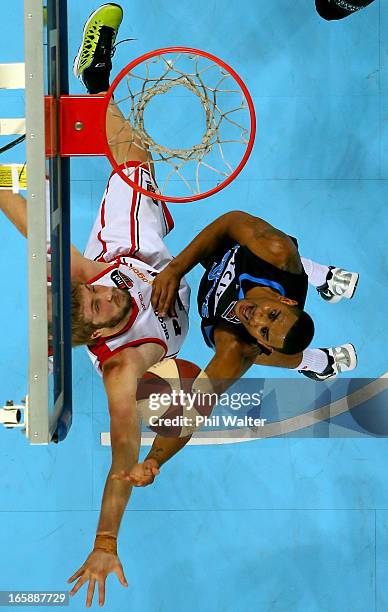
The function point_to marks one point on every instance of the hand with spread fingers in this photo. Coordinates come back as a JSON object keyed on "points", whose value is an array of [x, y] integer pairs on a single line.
{"points": [[141, 475], [96, 568], [165, 290]]}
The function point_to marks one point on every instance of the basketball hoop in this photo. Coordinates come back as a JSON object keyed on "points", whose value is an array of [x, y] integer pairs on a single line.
{"points": [[217, 156]]}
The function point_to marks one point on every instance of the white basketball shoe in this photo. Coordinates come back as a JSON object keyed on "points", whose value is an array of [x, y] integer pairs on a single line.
{"points": [[341, 358], [339, 284]]}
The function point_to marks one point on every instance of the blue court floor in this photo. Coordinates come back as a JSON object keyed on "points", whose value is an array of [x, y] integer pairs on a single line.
{"points": [[285, 524]]}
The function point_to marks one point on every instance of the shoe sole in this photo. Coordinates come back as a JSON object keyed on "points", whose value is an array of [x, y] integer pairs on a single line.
{"points": [[353, 358], [91, 16], [350, 291], [353, 362]]}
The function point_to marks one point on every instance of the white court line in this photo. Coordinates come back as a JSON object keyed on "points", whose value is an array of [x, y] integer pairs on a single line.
{"points": [[279, 428]]}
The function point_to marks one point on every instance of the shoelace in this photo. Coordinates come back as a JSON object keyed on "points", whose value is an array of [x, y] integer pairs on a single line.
{"points": [[119, 43], [114, 47]]}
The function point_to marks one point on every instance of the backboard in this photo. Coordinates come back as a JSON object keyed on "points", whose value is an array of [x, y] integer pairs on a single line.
{"points": [[49, 406]]}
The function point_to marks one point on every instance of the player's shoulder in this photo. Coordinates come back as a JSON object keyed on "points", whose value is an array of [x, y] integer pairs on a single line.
{"points": [[227, 338], [279, 250], [137, 359], [89, 271]]}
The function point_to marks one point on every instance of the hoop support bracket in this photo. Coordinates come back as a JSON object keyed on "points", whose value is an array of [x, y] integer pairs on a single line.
{"points": [[76, 124], [81, 125]]}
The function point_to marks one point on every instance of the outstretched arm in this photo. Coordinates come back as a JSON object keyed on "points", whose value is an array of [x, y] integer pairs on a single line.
{"points": [[162, 450], [120, 379], [260, 237], [231, 360], [14, 206]]}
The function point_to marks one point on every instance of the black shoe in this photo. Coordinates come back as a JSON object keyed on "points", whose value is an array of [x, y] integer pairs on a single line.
{"points": [[338, 9], [93, 62]]}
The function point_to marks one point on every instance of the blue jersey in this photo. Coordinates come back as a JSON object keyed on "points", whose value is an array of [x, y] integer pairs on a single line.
{"points": [[228, 276]]}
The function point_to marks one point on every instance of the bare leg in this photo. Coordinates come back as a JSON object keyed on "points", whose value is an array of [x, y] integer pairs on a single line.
{"points": [[280, 360], [123, 142]]}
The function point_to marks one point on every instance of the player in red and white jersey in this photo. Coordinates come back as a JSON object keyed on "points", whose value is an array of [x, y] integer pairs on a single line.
{"points": [[128, 234], [126, 248], [144, 325], [111, 293]]}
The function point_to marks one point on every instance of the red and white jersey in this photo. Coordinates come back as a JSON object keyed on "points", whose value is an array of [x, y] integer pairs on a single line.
{"points": [[144, 324]]}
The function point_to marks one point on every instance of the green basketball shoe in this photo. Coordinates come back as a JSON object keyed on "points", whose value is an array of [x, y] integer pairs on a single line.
{"points": [[93, 62]]}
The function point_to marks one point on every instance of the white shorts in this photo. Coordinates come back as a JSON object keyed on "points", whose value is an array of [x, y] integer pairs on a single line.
{"points": [[130, 223]]}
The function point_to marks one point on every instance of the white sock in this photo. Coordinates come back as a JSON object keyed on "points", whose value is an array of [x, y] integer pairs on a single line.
{"points": [[316, 272], [313, 359]]}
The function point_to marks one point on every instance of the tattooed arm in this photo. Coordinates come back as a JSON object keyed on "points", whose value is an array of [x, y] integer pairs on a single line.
{"points": [[143, 474], [164, 448]]}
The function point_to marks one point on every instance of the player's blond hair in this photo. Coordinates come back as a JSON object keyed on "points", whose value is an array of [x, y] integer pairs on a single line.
{"points": [[81, 330]]}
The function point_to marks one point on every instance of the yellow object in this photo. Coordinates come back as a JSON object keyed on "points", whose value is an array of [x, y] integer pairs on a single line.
{"points": [[13, 176]]}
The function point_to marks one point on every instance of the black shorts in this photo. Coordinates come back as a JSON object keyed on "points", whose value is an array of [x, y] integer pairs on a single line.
{"points": [[338, 9]]}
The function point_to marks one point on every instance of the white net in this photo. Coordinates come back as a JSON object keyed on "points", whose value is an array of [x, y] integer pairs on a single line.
{"points": [[191, 116]]}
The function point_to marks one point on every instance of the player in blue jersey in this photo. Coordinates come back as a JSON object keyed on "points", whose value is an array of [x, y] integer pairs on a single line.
{"points": [[251, 299]]}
